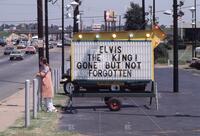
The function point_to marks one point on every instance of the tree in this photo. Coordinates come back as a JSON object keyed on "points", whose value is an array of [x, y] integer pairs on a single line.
{"points": [[133, 17]]}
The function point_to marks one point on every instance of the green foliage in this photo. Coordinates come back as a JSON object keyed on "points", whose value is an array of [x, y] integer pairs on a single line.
{"points": [[4, 34], [133, 17], [181, 43], [161, 53], [162, 60]]}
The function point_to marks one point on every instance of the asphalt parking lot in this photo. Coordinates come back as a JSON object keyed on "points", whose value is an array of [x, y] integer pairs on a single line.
{"points": [[178, 114]]}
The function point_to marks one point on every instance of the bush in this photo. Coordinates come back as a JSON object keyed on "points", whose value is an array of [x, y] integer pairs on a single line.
{"points": [[162, 60], [161, 53]]}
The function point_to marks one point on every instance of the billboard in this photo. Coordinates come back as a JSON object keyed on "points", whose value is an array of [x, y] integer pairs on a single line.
{"points": [[110, 16], [112, 60]]}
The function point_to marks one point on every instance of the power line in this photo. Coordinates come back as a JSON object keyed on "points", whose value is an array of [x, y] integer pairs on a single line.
{"points": [[186, 7], [17, 21], [17, 4], [84, 17]]}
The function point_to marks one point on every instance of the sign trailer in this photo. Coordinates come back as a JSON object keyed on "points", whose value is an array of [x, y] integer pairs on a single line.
{"points": [[112, 65]]}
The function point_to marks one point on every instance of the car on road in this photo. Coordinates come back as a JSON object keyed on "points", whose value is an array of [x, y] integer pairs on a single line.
{"points": [[21, 46], [51, 46], [8, 50], [59, 44], [68, 41], [30, 50], [2, 42], [17, 55]]}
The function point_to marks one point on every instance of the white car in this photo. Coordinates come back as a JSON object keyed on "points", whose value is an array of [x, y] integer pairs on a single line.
{"points": [[59, 44], [197, 51], [17, 55]]}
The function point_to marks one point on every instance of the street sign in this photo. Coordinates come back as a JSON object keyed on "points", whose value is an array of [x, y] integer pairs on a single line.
{"points": [[40, 43], [110, 16]]}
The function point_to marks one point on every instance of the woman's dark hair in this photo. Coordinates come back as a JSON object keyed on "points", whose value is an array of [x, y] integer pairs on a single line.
{"points": [[44, 61]]}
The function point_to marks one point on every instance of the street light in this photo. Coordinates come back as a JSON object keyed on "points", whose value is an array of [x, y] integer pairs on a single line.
{"points": [[73, 4], [175, 14], [168, 12]]}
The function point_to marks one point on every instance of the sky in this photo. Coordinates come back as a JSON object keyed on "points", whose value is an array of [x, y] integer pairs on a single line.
{"points": [[25, 11]]}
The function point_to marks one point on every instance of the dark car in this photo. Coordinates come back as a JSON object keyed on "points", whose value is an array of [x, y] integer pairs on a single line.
{"points": [[2, 42], [51, 45], [8, 50]]}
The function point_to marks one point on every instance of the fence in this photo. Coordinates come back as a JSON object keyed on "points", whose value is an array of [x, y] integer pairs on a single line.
{"points": [[37, 98]]}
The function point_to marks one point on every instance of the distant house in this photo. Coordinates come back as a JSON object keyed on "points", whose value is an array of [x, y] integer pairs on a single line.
{"points": [[24, 37], [187, 30], [12, 37]]}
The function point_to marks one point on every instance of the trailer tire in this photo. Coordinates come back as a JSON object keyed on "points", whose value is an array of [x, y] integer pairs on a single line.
{"points": [[114, 104], [70, 87]]}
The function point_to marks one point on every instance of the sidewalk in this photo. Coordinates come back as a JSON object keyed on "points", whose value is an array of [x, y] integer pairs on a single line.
{"points": [[12, 108]]}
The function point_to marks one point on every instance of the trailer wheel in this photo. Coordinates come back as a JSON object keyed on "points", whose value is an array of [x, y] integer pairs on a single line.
{"points": [[70, 87], [114, 104], [106, 100]]}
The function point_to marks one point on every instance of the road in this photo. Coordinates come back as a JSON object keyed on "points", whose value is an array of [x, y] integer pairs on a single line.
{"points": [[14, 73], [178, 114]]}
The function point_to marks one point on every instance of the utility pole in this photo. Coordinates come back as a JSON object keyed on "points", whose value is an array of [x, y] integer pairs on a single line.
{"points": [[76, 12], [154, 12], [40, 28], [63, 40], [120, 22], [105, 20], [81, 21], [175, 37], [46, 30], [143, 15], [195, 26], [151, 16], [192, 9]]}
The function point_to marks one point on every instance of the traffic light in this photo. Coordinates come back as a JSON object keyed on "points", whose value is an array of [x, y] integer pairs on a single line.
{"points": [[180, 13], [76, 13], [181, 3]]}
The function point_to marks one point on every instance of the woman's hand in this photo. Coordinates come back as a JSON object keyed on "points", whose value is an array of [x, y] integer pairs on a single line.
{"points": [[38, 74]]}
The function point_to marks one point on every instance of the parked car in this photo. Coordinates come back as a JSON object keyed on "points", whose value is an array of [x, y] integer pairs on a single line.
{"points": [[8, 50], [21, 46], [15, 42], [2, 42], [23, 42], [51, 46], [30, 50], [59, 44], [68, 41], [17, 55]]}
